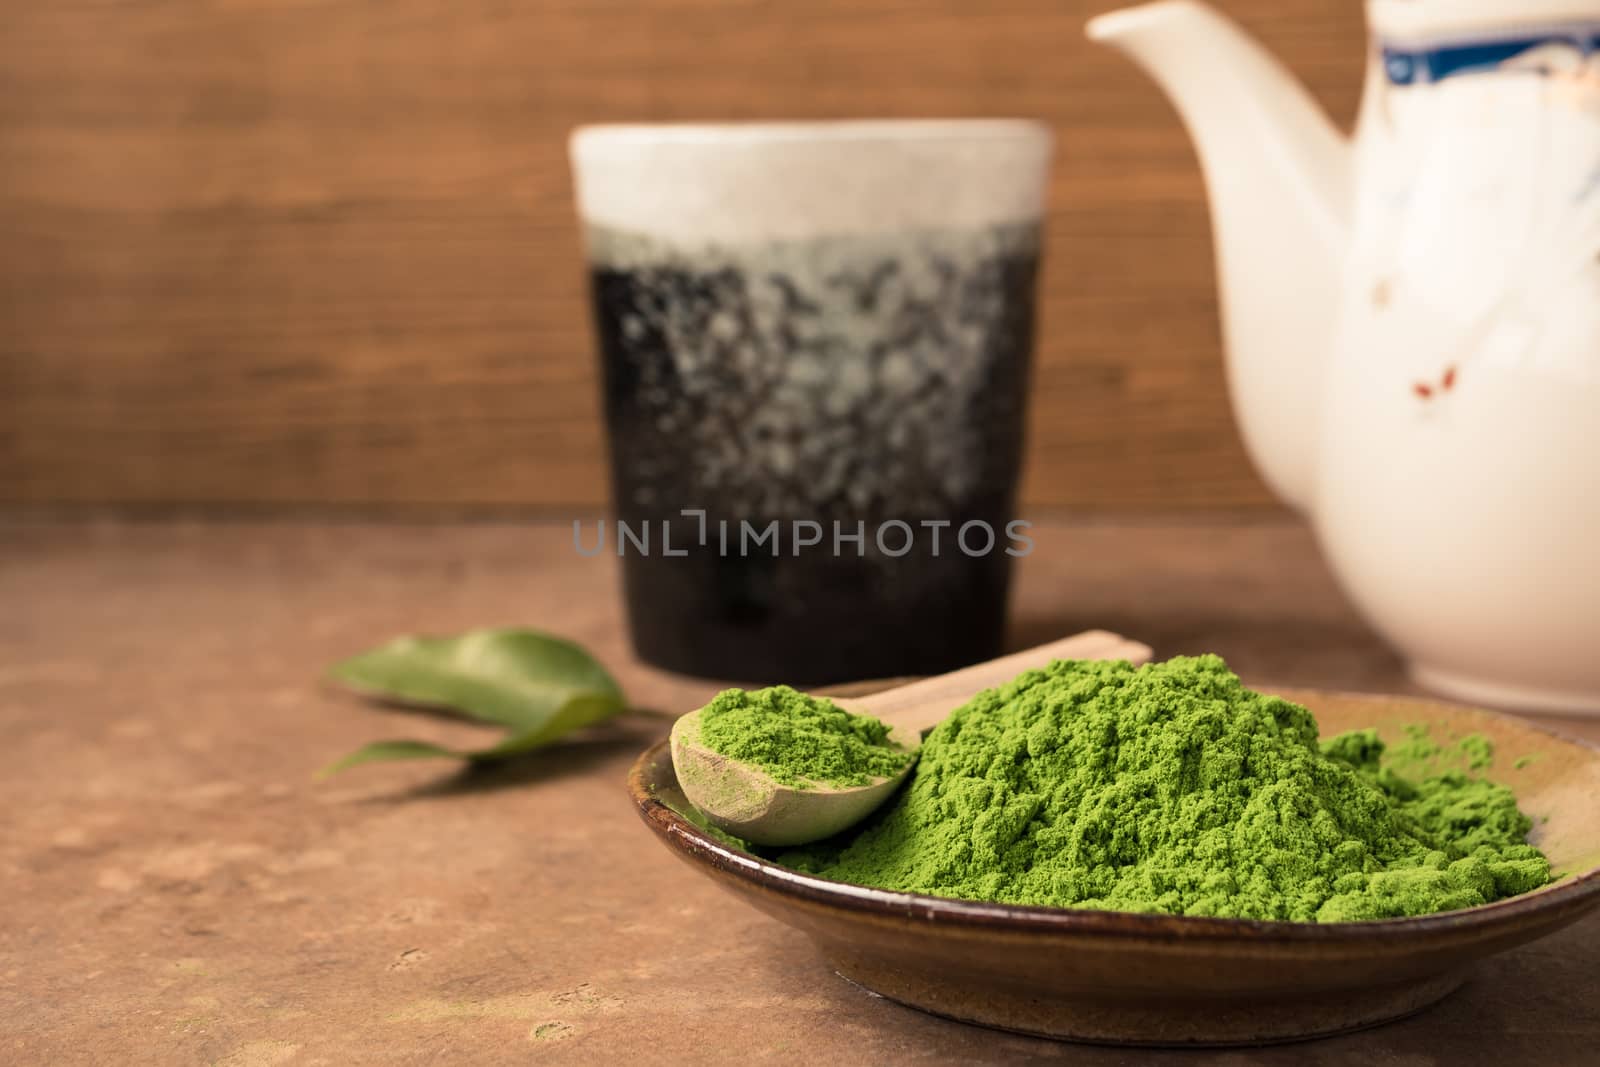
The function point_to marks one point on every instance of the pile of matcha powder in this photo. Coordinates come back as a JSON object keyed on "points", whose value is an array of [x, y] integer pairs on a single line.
{"points": [[1173, 788], [799, 740]]}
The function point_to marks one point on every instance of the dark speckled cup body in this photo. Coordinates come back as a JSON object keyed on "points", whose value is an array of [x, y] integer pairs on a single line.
{"points": [[854, 358]]}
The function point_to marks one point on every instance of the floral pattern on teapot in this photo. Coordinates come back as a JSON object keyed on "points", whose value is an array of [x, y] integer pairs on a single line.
{"points": [[1483, 218], [1570, 54]]}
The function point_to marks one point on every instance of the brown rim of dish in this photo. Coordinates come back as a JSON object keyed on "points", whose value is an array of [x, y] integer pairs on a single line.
{"points": [[681, 834]]}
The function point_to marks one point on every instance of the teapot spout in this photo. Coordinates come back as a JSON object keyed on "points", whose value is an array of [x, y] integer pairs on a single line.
{"points": [[1278, 174]]}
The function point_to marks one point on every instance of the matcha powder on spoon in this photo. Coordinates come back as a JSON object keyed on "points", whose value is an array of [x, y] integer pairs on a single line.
{"points": [[1173, 788], [799, 739]]}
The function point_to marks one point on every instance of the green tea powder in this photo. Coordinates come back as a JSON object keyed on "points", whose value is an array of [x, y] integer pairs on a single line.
{"points": [[1173, 788], [799, 739]]}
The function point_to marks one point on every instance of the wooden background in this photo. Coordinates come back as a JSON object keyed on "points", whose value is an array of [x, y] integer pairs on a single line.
{"points": [[265, 253]]}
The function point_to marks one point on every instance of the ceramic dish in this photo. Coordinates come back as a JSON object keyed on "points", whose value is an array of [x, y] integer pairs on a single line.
{"points": [[1171, 980]]}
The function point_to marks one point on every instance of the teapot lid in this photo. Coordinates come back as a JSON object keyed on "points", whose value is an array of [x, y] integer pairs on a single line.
{"points": [[1413, 19]]}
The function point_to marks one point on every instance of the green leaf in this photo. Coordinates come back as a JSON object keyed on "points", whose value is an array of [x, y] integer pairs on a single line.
{"points": [[537, 686], [509, 677]]}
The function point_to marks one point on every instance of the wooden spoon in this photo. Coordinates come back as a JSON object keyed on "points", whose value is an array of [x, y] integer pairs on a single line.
{"points": [[745, 801]]}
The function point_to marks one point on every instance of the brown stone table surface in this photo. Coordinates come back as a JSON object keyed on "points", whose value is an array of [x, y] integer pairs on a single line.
{"points": [[178, 889]]}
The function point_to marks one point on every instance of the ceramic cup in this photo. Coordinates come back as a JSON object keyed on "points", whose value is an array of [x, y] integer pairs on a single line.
{"points": [[815, 340]]}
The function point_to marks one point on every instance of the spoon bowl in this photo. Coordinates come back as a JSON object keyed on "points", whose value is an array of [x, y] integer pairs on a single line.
{"points": [[751, 804]]}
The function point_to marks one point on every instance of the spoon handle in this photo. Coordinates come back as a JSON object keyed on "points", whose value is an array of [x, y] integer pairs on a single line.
{"points": [[923, 705]]}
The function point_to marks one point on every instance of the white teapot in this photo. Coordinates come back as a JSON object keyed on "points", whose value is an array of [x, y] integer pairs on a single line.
{"points": [[1412, 319]]}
